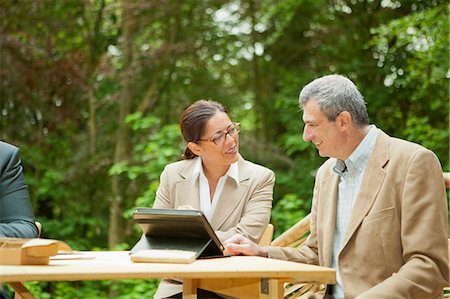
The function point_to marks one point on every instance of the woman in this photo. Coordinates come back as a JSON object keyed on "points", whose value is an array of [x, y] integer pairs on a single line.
{"points": [[234, 194]]}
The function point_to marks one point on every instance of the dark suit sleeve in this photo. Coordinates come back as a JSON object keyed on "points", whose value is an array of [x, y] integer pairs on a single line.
{"points": [[16, 214]]}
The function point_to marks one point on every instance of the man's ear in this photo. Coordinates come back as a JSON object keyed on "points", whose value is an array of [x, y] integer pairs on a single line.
{"points": [[344, 120], [195, 148]]}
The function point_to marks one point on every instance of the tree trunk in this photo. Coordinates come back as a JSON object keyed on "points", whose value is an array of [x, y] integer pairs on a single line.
{"points": [[92, 123], [122, 142], [257, 81]]}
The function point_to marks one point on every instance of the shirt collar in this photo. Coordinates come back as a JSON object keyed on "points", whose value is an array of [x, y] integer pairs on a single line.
{"points": [[357, 161], [233, 171]]}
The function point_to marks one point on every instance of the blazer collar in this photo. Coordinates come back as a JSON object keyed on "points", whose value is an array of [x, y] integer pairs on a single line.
{"points": [[187, 171]]}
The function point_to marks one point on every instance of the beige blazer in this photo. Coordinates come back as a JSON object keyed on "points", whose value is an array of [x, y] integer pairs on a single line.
{"points": [[396, 240], [242, 208]]}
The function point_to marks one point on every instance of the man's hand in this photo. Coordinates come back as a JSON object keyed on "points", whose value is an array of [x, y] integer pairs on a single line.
{"points": [[239, 245]]}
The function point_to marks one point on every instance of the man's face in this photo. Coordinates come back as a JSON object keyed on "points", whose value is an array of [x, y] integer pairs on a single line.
{"points": [[323, 133]]}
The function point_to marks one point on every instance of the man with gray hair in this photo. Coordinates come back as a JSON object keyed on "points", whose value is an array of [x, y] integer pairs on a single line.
{"points": [[379, 211]]}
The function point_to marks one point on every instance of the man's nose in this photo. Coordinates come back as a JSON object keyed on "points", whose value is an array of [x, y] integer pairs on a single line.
{"points": [[307, 134]]}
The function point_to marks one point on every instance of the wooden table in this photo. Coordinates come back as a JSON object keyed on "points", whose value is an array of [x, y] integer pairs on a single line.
{"points": [[240, 276]]}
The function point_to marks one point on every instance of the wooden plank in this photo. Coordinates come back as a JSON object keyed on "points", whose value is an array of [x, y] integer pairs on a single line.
{"points": [[241, 288], [117, 265], [239, 276], [275, 289], [294, 233], [267, 236], [21, 291], [190, 289]]}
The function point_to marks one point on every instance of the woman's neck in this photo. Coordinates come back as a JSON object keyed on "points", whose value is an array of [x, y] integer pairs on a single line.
{"points": [[215, 173]]}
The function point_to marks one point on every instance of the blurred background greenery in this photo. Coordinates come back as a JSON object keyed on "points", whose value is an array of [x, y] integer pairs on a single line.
{"points": [[92, 91]]}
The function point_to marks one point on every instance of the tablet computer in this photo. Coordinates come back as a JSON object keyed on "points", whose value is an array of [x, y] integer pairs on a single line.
{"points": [[177, 229]]}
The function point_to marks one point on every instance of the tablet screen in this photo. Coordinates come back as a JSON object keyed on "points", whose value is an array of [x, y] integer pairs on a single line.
{"points": [[178, 228]]}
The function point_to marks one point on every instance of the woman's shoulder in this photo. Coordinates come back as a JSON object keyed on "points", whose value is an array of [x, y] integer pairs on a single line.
{"points": [[179, 165], [254, 167]]}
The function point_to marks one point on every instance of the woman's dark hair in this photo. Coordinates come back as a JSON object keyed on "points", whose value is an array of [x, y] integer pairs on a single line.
{"points": [[193, 122]]}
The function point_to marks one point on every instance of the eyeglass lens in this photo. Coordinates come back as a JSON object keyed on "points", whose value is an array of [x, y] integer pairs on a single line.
{"points": [[231, 131]]}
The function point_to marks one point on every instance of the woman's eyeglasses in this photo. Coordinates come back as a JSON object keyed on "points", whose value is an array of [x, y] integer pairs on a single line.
{"points": [[218, 139]]}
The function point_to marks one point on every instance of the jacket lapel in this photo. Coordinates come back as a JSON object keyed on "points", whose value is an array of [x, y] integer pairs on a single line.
{"points": [[232, 193], [370, 185], [187, 190], [328, 218]]}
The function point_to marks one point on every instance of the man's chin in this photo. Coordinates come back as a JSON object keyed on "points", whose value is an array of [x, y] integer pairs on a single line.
{"points": [[321, 153]]}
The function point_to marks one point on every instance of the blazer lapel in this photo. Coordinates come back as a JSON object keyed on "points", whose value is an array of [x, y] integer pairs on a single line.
{"points": [[232, 193], [328, 218], [370, 185], [187, 190]]}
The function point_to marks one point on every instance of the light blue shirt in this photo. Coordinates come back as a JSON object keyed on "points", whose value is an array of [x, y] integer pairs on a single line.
{"points": [[350, 173]]}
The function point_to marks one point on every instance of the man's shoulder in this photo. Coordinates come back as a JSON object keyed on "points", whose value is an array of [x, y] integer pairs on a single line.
{"points": [[403, 149], [400, 153], [7, 148], [7, 151], [403, 144]]}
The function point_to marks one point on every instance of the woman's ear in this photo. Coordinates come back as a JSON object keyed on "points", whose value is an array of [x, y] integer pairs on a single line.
{"points": [[195, 148]]}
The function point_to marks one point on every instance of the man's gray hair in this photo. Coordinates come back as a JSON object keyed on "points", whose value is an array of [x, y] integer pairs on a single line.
{"points": [[334, 94]]}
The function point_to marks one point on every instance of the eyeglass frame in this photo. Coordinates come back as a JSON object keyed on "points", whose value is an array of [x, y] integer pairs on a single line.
{"points": [[236, 126]]}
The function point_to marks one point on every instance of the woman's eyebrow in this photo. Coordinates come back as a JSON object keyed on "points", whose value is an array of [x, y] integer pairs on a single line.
{"points": [[221, 131]]}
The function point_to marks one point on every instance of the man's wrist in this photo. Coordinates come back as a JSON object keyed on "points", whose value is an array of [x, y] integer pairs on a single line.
{"points": [[263, 251]]}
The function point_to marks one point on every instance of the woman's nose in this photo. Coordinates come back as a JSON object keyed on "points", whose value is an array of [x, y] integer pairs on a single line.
{"points": [[227, 134]]}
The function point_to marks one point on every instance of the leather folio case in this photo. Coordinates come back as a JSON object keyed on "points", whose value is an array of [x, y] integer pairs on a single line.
{"points": [[170, 229]]}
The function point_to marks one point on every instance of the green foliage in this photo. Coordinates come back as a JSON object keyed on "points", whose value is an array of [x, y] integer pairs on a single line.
{"points": [[67, 66], [413, 53], [287, 212], [157, 146], [124, 289]]}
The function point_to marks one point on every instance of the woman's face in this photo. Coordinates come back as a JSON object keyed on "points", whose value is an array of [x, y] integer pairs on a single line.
{"points": [[221, 129]]}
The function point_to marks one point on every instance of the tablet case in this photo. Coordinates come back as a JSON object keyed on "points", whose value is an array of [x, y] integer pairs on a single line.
{"points": [[176, 230]]}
